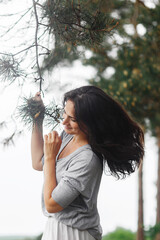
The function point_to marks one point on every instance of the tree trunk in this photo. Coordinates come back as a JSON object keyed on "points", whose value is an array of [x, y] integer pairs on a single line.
{"points": [[140, 231], [158, 185]]}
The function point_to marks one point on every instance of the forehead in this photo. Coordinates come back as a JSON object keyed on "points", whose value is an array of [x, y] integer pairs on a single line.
{"points": [[69, 108]]}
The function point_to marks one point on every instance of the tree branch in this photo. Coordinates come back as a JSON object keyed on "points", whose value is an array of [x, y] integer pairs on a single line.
{"points": [[40, 5], [24, 50], [36, 45], [15, 23]]}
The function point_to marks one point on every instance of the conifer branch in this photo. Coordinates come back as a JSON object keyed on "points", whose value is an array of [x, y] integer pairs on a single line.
{"points": [[10, 69], [11, 139], [13, 26], [33, 111], [24, 50], [75, 24], [40, 79], [40, 5]]}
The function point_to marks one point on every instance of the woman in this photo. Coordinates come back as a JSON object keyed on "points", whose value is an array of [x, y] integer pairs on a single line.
{"points": [[97, 133]]}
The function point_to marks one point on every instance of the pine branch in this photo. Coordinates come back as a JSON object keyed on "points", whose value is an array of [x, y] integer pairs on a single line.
{"points": [[11, 139], [24, 50], [75, 24], [2, 124], [40, 79], [33, 111], [10, 69], [13, 26], [12, 14]]}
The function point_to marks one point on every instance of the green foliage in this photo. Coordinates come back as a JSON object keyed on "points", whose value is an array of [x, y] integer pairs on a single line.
{"points": [[135, 82], [152, 231], [120, 234], [16, 238], [39, 237], [20, 237], [78, 22], [73, 24], [60, 53]]}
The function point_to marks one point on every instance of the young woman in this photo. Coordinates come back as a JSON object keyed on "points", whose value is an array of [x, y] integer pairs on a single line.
{"points": [[98, 132]]}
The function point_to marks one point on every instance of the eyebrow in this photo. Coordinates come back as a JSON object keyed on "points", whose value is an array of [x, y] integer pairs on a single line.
{"points": [[69, 115]]}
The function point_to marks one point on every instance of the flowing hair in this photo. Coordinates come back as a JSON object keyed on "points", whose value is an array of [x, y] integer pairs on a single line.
{"points": [[116, 138]]}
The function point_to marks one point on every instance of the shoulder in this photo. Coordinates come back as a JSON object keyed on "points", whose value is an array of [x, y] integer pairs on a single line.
{"points": [[83, 167], [85, 153], [86, 158]]}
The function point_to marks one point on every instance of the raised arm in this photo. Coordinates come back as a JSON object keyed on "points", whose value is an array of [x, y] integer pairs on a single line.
{"points": [[37, 143], [37, 147]]}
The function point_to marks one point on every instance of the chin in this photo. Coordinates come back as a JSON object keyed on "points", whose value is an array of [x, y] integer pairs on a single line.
{"points": [[68, 130]]}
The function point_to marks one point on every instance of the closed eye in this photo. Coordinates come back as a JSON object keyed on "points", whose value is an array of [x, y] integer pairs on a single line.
{"points": [[72, 118]]}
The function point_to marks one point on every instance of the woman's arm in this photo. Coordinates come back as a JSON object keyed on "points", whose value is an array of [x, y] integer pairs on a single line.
{"points": [[37, 147], [52, 143], [37, 141]]}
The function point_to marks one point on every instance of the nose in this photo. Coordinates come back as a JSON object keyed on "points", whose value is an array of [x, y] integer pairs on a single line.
{"points": [[65, 119]]}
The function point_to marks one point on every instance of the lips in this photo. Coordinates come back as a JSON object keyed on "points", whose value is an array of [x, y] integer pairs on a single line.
{"points": [[67, 128]]}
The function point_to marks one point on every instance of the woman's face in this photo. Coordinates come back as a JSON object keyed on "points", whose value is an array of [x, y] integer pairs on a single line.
{"points": [[69, 122]]}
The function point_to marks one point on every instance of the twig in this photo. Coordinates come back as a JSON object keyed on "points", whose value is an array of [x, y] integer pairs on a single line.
{"points": [[89, 29], [24, 50], [40, 5], [11, 14], [134, 17], [45, 25], [15, 23], [78, 16], [36, 45]]}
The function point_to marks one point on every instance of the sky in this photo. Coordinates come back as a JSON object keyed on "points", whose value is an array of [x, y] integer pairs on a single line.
{"points": [[21, 186]]}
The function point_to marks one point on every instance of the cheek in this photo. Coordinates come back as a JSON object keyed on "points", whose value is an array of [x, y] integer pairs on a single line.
{"points": [[75, 126]]}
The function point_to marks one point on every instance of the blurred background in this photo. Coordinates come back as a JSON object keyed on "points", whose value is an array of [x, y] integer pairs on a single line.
{"points": [[123, 58]]}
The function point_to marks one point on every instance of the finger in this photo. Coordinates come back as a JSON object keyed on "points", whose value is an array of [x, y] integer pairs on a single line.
{"points": [[38, 94], [54, 134], [45, 138], [60, 140], [50, 137]]}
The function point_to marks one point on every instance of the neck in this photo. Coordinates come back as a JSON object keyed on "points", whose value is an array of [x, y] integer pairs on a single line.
{"points": [[80, 139]]}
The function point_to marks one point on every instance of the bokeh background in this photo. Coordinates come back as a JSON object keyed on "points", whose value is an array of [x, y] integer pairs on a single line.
{"points": [[126, 64]]}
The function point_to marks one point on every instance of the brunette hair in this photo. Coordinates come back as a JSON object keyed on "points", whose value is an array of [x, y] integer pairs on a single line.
{"points": [[116, 138]]}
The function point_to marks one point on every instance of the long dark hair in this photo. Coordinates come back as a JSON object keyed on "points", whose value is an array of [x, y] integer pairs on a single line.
{"points": [[112, 134]]}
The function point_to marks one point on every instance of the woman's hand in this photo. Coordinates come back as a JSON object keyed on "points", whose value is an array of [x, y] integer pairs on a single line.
{"points": [[52, 143], [38, 98]]}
